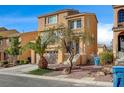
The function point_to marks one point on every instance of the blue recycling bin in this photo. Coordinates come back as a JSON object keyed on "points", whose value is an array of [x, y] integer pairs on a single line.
{"points": [[96, 61], [118, 76]]}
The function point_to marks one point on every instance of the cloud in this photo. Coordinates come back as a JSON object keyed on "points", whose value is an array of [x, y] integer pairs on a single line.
{"points": [[105, 33]]}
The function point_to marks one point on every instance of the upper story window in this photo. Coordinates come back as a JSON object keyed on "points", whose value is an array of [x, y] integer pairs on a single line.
{"points": [[121, 15], [74, 24], [7, 41], [52, 19]]}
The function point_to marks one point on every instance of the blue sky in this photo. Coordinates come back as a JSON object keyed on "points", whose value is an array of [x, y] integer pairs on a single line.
{"points": [[24, 18]]}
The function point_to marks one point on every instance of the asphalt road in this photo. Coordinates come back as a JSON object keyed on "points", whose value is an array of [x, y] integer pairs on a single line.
{"points": [[18, 81]]}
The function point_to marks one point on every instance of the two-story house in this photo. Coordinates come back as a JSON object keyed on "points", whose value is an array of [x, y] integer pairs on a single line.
{"points": [[76, 21], [118, 30], [24, 38], [4, 42]]}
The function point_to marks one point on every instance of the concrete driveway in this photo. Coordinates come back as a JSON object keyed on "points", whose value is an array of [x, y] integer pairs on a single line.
{"points": [[19, 69]]}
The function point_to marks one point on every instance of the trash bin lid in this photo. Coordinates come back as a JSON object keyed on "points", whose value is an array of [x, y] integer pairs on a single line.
{"points": [[117, 69], [96, 58]]}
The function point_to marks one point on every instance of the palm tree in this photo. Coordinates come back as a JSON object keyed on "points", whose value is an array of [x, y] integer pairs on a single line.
{"points": [[40, 46]]}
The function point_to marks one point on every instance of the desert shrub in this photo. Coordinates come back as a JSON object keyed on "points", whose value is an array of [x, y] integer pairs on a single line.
{"points": [[106, 57], [4, 63], [23, 62]]}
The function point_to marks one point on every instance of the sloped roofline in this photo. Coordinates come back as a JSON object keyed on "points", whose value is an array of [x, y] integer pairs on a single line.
{"points": [[117, 6], [82, 14], [59, 11]]}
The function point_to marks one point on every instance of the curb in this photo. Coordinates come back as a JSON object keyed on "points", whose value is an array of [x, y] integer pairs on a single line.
{"points": [[97, 83]]}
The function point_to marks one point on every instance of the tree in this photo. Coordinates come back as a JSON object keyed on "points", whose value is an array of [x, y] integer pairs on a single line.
{"points": [[67, 36], [14, 48], [40, 46], [0, 37]]}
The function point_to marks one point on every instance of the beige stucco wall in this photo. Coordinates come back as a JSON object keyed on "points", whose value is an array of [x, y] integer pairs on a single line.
{"points": [[115, 43], [60, 20], [26, 38], [93, 30]]}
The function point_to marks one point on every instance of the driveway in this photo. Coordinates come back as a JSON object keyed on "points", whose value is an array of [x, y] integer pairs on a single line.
{"points": [[19, 69]]}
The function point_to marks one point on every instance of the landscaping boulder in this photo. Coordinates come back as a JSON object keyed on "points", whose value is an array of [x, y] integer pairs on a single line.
{"points": [[100, 73], [107, 69], [66, 71]]}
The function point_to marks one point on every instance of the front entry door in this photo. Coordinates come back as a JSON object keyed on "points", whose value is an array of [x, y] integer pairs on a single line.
{"points": [[121, 43]]}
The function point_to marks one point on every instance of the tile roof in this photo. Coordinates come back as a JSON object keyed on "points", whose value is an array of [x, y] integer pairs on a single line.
{"points": [[3, 29], [7, 33]]}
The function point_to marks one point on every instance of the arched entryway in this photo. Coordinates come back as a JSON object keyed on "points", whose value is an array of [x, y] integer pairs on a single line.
{"points": [[121, 42]]}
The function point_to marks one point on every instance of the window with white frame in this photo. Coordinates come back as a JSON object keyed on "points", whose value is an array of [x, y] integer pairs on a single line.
{"points": [[74, 24], [52, 19]]}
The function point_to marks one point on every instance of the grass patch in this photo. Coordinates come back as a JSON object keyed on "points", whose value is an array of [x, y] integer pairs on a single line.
{"points": [[40, 71]]}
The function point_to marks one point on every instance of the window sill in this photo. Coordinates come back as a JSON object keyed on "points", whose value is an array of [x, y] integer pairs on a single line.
{"points": [[50, 24], [76, 29]]}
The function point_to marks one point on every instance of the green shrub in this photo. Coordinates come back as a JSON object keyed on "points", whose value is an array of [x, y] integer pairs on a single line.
{"points": [[23, 62], [4, 62], [106, 57]]}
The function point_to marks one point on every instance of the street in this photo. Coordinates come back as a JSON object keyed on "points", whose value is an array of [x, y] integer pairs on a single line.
{"points": [[18, 81]]}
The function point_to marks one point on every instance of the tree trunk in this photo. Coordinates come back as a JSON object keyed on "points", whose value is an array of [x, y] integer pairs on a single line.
{"points": [[71, 63], [14, 60], [43, 64], [69, 69]]}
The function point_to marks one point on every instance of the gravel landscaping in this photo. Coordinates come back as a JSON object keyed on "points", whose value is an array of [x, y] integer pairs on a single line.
{"points": [[92, 72]]}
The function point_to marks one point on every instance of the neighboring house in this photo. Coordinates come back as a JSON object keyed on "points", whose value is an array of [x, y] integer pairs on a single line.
{"points": [[4, 41], [24, 39], [77, 22], [118, 30], [101, 48]]}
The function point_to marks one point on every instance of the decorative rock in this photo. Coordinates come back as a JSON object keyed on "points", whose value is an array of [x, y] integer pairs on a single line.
{"points": [[107, 70], [100, 73], [66, 71]]}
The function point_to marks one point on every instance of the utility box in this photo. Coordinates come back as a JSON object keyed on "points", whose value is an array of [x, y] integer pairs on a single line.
{"points": [[118, 76]]}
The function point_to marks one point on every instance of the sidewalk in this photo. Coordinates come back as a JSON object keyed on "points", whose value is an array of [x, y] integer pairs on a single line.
{"points": [[23, 69]]}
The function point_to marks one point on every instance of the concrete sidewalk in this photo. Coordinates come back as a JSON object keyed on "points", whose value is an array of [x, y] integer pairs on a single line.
{"points": [[23, 69]]}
